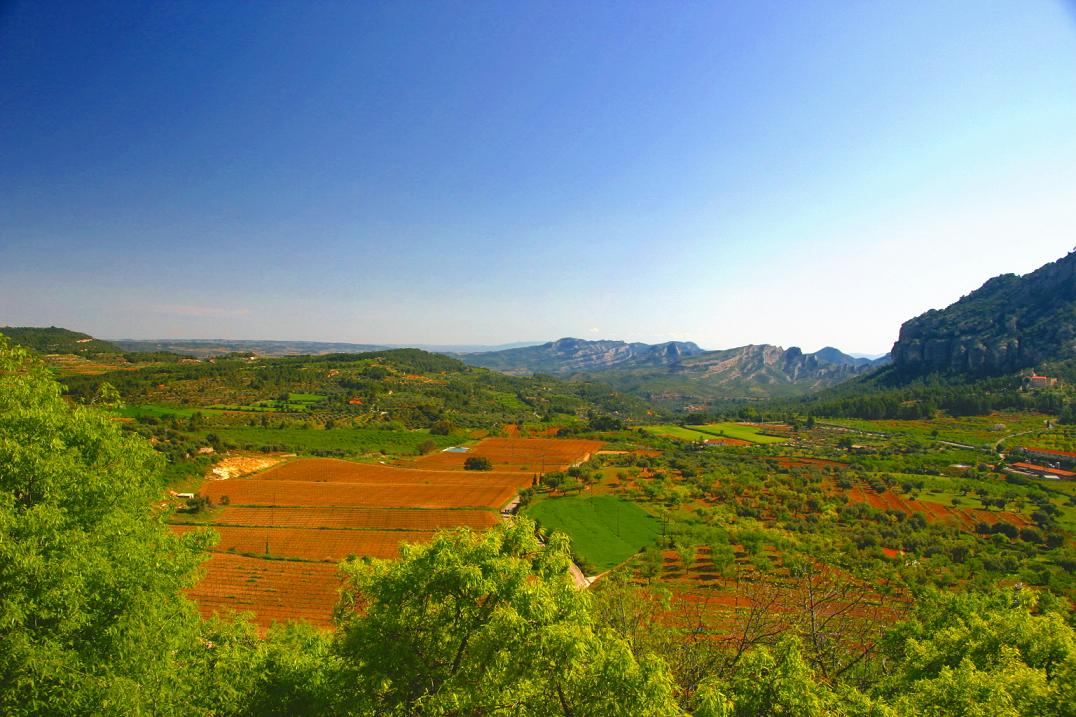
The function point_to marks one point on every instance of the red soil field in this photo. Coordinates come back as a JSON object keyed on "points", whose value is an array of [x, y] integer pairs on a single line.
{"points": [[716, 604], [531, 455], [382, 518], [382, 495], [333, 470], [313, 544], [966, 518], [274, 590], [310, 505], [991, 517]]}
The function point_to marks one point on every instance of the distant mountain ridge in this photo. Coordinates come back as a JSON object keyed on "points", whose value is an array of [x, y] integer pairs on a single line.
{"points": [[570, 355], [1008, 324], [681, 373], [672, 373], [204, 348]]}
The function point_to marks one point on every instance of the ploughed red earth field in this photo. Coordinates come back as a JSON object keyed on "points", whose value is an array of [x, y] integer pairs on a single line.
{"points": [[354, 518], [526, 455], [312, 543], [282, 531]]}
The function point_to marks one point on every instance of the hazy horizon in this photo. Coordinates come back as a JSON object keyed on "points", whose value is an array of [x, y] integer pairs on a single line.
{"points": [[474, 173], [457, 345]]}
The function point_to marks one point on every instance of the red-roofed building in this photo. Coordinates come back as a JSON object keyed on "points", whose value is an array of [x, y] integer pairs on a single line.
{"points": [[1037, 381], [1043, 471]]}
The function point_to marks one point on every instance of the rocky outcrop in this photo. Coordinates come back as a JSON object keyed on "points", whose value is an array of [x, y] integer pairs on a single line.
{"points": [[568, 356], [765, 364], [1010, 323]]}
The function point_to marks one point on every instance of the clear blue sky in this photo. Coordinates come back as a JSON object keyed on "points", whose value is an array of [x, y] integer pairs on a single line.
{"points": [[472, 172]]}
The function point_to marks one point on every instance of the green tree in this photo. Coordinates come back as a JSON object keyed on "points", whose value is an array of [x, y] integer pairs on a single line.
{"points": [[107, 396], [92, 618], [477, 624], [477, 463], [775, 681], [982, 654]]}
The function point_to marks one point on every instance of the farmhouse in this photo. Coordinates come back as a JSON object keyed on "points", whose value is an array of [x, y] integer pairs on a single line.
{"points": [[1044, 471], [1037, 381]]}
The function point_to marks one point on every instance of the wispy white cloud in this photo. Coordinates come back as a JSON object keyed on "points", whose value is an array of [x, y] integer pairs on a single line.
{"points": [[207, 312]]}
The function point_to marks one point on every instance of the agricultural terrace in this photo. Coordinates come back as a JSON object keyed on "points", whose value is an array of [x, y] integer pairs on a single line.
{"points": [[719, 591], [272, 590], [531, 455], [980, 431], [1060, 438], [283, 529], [402, 494], [937, 507], [321, 517], [739, 527], [331, 470]]}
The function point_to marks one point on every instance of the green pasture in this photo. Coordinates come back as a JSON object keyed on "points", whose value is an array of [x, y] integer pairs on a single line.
{"points": [[305, 398], [712, 430], [604, 530], [160, 411], [668, 430], [740, 431], [347, 441], [296, 403]]}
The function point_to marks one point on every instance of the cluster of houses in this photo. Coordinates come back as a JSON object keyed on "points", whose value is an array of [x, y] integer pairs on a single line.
{"points": [[1049, 466]]}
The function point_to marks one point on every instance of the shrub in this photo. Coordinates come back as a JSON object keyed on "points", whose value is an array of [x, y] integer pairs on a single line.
{"points": [[477, 463]]}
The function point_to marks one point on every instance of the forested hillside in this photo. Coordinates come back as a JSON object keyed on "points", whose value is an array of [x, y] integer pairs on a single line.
{"points": [[1009, 323], [408, 386], [53, 340]]}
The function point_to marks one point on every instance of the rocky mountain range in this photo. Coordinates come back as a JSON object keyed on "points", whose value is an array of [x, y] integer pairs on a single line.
{"points": [[1008, 324], [568, 356], [681, 373]]}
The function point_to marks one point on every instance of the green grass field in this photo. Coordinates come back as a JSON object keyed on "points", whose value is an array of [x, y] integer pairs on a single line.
{"points": [[712, 430], [667, 430], [741, 431], [296, 403], [161, 411], [604, 531], [349, 441], [306, 397], [969, 430]]}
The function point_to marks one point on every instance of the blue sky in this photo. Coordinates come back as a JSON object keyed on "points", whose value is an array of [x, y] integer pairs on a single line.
{"points": [[730, 173]]}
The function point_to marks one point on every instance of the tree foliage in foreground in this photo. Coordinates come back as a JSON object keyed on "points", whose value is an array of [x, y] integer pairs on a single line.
{"points": [[91, 615], [487, 624]]}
